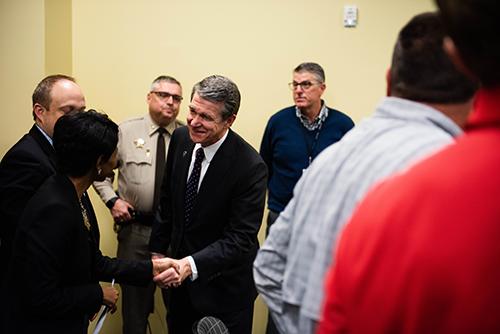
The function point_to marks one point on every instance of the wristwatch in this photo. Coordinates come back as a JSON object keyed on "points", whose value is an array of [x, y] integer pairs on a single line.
{"points": [[111, 203]]}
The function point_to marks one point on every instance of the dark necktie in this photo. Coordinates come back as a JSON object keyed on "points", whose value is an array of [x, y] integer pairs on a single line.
{"points": [[160, 166], [192, 185]]}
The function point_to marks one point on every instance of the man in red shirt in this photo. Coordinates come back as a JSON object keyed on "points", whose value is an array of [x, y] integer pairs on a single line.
{"points": [[420, 254]]}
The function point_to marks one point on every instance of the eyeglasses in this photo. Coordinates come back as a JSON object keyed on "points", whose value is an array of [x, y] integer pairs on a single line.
{"points": [[165, 96], [305, 85]]}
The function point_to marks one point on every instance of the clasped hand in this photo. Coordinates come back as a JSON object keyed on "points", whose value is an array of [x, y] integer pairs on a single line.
{"points": [[169, 272]]}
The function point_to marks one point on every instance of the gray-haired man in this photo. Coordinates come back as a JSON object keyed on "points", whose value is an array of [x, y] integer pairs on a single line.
{"points": [[210, 212]]}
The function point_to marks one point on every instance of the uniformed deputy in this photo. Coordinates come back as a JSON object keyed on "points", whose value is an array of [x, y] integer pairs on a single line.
{"points": [[142, 147]]}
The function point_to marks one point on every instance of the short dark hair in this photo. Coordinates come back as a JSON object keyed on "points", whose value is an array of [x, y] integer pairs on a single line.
{"points": [[474, 26], [313, 68], [42, 92], [421, 71], [217, 88], [80, 138]]}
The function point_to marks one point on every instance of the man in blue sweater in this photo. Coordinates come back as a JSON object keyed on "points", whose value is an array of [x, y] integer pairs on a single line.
{"points": [[294, 136]]}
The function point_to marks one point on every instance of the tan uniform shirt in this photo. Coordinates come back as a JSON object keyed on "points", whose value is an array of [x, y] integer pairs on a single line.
{"points": [[136, 158]]}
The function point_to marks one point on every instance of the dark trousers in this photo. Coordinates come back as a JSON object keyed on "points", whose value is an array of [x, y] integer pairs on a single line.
{"points": [[271, 218], [182, 315]]}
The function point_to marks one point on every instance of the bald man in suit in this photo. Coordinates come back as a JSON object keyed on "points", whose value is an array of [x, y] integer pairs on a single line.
{"points": [[32, 159]]}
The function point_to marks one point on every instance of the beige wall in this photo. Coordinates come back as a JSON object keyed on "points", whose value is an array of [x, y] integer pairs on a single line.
{"points": [[119, 46], [21, 65]]}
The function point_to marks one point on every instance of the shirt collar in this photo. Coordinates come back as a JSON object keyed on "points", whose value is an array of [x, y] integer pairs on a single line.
{"points": [[153, 127], [396, 108], [316, 123], [45, 135], [210, 150], [486, 108]]}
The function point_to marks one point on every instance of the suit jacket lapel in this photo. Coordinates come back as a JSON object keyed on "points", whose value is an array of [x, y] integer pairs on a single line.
{"points": [[219, 167], [185, 161], [179, 167], [44, 144]]}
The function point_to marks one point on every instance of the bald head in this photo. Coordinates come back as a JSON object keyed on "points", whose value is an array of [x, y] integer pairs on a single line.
{"points": [[53, 97]]}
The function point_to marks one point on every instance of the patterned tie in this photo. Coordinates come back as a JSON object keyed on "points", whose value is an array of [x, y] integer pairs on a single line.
{"points": [[160, 166], [192, 185]]}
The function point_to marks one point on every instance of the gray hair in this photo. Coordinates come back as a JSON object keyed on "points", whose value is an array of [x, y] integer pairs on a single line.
{"points": [[217, 88], [313, 68], [166, 78]]}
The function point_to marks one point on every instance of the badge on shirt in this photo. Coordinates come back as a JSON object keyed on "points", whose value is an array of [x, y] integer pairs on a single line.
{"points": [[139, 143]]}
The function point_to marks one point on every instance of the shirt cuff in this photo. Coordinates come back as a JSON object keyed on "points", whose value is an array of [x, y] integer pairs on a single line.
{"points": [[194, 271]]}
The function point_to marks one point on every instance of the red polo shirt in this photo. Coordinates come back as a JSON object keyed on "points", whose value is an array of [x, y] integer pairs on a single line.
{"points": [[422, 251]]}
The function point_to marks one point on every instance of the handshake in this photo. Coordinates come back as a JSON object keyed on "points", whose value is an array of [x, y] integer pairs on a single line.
{"points": [[168, 272]]}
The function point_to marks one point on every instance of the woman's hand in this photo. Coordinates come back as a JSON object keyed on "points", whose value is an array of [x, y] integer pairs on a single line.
{"points": [[110, 297]]}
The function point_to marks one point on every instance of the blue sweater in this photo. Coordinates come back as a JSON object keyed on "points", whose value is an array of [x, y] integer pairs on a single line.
{"points": [[287, 147]]}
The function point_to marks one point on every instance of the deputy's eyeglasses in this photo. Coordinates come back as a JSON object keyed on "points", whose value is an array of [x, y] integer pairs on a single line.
{"points": [[305, 85], [165, 96]]}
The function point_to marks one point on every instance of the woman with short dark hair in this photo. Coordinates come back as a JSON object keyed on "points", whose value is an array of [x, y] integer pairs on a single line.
{"points": [[57, 265]]}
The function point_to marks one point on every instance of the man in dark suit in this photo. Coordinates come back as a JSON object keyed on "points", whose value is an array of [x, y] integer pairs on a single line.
{"points": [[210, 212], [32, 159]]}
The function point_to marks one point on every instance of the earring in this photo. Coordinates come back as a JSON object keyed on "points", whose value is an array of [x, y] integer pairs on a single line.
{"points": [[99, 171]]}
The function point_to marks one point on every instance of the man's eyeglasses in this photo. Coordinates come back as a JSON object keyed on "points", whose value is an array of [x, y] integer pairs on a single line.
{"points": [[165, 96], [305, 85]]}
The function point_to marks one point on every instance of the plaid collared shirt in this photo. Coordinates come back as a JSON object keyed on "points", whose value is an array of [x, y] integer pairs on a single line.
{"points": [[316, 123]]}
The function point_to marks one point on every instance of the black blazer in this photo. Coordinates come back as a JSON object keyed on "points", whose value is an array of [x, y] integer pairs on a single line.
{"points": [[22, 171], [227, 215], [57, 265]]}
